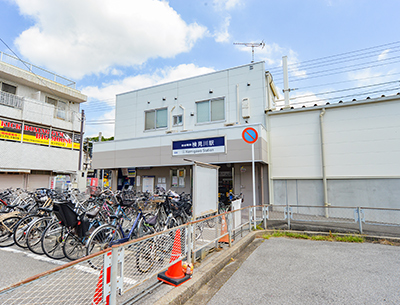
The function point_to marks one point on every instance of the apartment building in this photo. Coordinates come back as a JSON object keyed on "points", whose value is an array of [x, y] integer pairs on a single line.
{"points": [[40, 127]]}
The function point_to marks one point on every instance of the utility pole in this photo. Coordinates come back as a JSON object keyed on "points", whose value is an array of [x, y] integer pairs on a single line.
{"points": [[286, 89], [81, 139]]}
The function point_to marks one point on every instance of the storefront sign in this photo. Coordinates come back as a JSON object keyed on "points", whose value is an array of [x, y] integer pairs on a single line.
{"points": [[199, 146], [61, 139], [131, 172], [36, 135], [10, 130]]}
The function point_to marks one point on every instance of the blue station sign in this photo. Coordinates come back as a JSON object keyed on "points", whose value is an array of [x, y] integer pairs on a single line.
{"points": [[211, 145]]}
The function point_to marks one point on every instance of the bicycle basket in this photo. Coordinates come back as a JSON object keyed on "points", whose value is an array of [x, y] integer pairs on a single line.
{"points": [[65, 213]]}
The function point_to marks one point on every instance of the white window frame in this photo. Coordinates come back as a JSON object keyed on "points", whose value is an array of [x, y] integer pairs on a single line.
{"points": [[209, 111], [7, 84], [177, 122], [60, 107], [155, 119]]}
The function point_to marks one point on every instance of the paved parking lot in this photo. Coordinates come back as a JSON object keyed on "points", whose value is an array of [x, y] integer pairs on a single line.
{"points": [[292, 271]]}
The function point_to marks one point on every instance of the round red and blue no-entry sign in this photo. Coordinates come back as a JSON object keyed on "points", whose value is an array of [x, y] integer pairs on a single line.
{"points": [[250, 135]]}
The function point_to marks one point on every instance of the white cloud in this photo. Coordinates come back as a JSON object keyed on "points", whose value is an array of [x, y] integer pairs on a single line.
{"points": [[76, 38], [223, 35], [226, 4], [383, 55], [110, 90], [223, 7]]}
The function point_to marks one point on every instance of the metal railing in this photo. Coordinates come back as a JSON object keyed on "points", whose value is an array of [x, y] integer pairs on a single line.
{"points": [[11, 100], [15, 61], [363, 220], [102, 278]]}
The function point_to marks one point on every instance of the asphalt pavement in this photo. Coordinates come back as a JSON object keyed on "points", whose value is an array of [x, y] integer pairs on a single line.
{"points": [[294, 271]]}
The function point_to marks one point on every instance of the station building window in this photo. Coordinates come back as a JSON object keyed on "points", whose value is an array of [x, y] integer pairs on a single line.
{"points": [[156, 118], [210, 110]]}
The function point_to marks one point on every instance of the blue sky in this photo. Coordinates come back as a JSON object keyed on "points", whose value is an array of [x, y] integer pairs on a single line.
{"points": [[337, 49]]}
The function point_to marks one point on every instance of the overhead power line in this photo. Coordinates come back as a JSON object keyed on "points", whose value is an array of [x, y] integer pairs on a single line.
{"points": [[348, 89], [337, 56]]}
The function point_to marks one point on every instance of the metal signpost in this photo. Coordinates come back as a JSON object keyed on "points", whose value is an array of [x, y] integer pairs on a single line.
{"points": [[250, 136]]}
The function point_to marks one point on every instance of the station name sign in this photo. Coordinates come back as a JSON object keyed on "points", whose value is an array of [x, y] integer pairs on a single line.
{"points": [[210, 145]]}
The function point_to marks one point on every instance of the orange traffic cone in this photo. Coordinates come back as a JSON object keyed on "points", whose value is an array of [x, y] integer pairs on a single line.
{"points": [[224, 229], [98, 294], [175, 275]]}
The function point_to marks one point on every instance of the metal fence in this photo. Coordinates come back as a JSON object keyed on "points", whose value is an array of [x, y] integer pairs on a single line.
{"points": [[103, 278], [363, 220], [15, 61]]}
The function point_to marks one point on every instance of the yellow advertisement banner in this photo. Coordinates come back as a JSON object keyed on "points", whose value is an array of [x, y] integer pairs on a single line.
{"points": [[13, 136], [33, 139], [36, 135], [10, 130], [40, 135], [77, 146], [61, 139]]}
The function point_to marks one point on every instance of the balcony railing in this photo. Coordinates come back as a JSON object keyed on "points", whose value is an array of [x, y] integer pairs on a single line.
{"points": [[11, 100], [12, 60]]}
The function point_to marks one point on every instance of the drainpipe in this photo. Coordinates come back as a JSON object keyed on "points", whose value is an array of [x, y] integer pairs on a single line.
{"points": [[237, 105], [324, 180], [183, 116]]}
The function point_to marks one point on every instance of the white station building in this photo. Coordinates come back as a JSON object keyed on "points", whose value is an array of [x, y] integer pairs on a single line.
{"points": [[344, 153]]}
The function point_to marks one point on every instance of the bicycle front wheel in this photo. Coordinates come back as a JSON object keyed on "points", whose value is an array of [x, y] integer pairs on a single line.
{"points": [[102, 238], [35, 233], [21, 228], [52, 241], [7, 227], [73, 247]]}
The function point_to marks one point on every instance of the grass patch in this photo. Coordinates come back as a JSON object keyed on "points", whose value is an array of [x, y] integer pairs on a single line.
{"points": [[330, 237], [258, 227], [350, 239]]}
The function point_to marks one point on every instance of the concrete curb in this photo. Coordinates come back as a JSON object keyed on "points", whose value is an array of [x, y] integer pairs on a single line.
{"points": [[201, 276]]}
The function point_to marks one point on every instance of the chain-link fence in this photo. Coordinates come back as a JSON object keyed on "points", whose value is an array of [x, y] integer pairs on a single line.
{"points": [[73, 283], [103, 277]]}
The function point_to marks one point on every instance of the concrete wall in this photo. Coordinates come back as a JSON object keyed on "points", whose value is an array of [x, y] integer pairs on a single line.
{"points": [[36, 157]]}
